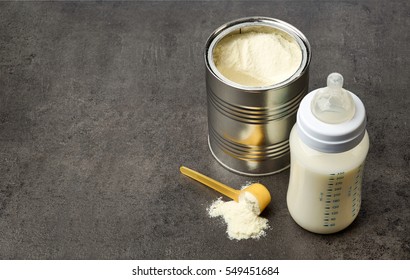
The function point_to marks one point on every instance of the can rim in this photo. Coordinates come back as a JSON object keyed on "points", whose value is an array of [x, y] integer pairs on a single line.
{"points": [[228, 27]]}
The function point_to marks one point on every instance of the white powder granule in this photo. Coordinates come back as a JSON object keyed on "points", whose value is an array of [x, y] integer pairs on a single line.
{"points": [[257, 58], [242, 218]]}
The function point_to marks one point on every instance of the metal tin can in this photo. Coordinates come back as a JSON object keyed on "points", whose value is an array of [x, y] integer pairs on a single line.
{"points": [[249, 127]]}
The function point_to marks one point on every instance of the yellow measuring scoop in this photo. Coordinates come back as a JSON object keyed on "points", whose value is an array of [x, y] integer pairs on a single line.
{"points": [[259, 191]]}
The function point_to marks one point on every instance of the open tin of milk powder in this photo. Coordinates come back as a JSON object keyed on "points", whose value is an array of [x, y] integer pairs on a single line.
{"points": [[252, 108]]}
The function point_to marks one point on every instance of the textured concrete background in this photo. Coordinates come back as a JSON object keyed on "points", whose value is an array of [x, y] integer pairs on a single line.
{"points": [[100, 103]]}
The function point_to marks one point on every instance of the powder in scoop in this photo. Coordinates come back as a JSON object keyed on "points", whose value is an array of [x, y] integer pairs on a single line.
{"points": [[242, 218], [257, 58]]}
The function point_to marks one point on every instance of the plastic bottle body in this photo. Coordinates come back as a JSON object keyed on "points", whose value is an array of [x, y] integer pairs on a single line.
{"points": [[324, 193]]}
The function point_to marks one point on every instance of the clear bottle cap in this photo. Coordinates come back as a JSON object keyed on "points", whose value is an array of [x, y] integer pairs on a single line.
{"points": [[331, 119], [333, 104]]}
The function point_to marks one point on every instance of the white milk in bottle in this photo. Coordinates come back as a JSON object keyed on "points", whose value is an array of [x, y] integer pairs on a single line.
{"points": [[328, 147]]}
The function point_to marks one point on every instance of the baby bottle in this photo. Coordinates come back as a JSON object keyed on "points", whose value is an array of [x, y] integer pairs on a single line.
{"points": [[328, 146]]}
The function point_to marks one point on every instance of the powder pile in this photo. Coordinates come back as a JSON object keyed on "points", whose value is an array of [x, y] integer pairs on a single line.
{"points": [[242, 218], [257, 58]]}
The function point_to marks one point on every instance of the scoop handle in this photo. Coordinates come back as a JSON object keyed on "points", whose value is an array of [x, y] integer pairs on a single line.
{"points": [[223, 189]]}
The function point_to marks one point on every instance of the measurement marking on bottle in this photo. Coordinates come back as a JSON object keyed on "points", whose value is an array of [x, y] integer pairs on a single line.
{"points": [[356, 196], [332, 199]]}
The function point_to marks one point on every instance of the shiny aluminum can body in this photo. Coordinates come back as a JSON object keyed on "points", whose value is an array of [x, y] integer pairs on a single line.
{"points": [[249, 127]]}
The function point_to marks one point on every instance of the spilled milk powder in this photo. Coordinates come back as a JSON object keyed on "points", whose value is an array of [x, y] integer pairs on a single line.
{"points": [[242, 218]]}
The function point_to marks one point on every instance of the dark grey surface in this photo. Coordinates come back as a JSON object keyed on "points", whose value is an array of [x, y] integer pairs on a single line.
{"points": [[100, 103]]}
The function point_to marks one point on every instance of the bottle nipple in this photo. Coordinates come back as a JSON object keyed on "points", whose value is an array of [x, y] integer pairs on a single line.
{"points": [[333, 104]]}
